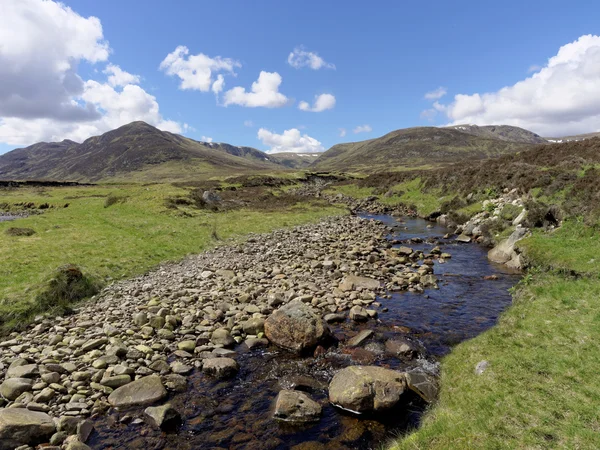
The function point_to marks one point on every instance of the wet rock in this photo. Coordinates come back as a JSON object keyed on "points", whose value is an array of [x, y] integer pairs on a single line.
{"points": [[463, 238], [358, 314], [296, 327], [176, 383], [360, 338], [162, 416], [295, 406], [20, 426], [334, 317], [423, 384], [255, 343], [84, 430], [363, 389], [140, 392], [401, 347], [220, 367]]}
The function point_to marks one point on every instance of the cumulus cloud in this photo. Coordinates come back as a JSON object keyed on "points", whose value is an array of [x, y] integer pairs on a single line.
{"points": [[264, 93], [196, 72], [42, 97], [118, 77], [561, 98], [290, 141], [41, 43], [362, 129], [207, 139], [322, 102], [342, 132], [436, 94], [301, 57], [218, 84]]}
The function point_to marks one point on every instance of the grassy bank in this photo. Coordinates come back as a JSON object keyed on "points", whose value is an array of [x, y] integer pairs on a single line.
{"points": [[115, 231], [540, 388]]}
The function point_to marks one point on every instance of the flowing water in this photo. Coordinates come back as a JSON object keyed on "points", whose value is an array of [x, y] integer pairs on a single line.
{"points": [[237, 413]]}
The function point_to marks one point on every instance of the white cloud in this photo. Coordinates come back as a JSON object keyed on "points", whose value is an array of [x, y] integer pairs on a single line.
{"points": [[264, 92], [322, 103], [207, 139], [290, 141], [42, 97], [534, 68], [561, 98], [362, 129], [436, 94], [300, 57], [41, 43], [218, 84], [248, 123], [197, 72], [118, 77], [342, 132]]}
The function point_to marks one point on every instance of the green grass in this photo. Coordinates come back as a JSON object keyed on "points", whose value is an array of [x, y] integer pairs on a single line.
{"points": [[124, 239], [540, 390], [572, 247], [351, 190], [411, 193]]}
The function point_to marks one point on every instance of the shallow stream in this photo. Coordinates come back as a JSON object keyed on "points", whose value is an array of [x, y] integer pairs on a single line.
{"points": [[237, 413]]}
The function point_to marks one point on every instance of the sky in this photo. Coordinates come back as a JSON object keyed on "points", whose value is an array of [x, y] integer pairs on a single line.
{"points": [[302, 76]]}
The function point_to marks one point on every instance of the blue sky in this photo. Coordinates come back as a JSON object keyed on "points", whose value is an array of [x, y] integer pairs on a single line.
{"points": [[387, 56]]}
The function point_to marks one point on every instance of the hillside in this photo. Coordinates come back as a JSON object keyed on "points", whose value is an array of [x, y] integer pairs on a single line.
{"points": [[421, 147], [135, 151], [502, 132], [293, 160]]}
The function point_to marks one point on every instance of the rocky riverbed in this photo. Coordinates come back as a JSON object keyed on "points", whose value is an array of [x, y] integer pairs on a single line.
{"points": [[250, 345]]}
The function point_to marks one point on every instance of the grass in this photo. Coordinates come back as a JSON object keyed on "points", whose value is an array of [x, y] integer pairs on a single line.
{"points": [[574, 247], [540, 390], [351, 190], [128, 237], [411, 193]]}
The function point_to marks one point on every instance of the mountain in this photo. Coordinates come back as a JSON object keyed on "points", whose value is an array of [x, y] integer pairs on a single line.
{"points": [[294, 160], [575, 137], [424, 147], [135, 151], [502, 132]]}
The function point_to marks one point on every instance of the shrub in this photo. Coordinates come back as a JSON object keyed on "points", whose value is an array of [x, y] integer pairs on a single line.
{"points": [[20, 231], [510, 212], [68, 285], [113, 200]]}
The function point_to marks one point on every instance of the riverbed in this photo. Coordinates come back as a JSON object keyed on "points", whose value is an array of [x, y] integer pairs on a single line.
{"points": [[237, 413]]}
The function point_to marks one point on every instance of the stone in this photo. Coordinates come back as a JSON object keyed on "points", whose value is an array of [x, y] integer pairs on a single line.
{"points": [[161, 416], [481, 367], [221, 336], [175, 383], [24, 371], [505, 253], [351, 282], [358, 314], [220, 367], [401, 347], [116, 381], [361, 337], [296, 327], [334, 317], [255, 343], [463, 238], [11, 388], [364, 389], [84, 430], [19, 426], [187, 346], [296, 406], [93, 344], [424, 385], [254, 326], [145, 391]]}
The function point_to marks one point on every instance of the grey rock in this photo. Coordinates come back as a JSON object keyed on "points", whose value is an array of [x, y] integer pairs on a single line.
{"points": [[145, 391], [160, 416], [11, 388], [20, 426], [220, 367], [295, 406]]}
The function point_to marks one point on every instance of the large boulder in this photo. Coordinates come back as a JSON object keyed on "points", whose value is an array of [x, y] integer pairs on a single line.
{"points": [[296, 327], [296, 406], [11, 388], [20, 426], [220, 367], [365, 389], [505, 253], [145, 391]]}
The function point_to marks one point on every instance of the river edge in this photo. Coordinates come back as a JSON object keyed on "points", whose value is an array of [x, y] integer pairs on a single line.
{"points": [[139, 289]]}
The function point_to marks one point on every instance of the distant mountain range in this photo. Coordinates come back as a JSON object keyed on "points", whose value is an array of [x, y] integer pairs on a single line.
{"points": [[141, 152]]}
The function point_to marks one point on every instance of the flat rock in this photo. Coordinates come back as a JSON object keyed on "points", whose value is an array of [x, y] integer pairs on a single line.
{"points": [[11, 388], [361, 337], [351, 282], [296, 406], [144, 391], [220, 367], [424, 385], [19, 426], [363, 389], [161, 416]]}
